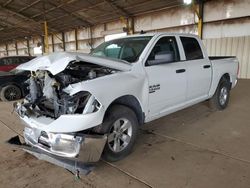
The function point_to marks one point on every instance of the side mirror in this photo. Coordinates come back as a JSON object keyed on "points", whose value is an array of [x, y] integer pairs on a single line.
{"points": [[162, 58]]}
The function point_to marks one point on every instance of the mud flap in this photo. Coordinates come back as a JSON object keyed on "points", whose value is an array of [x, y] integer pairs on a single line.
{"points": [[71, 164]]}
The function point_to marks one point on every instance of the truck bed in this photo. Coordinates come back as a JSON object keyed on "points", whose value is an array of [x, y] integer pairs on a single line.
{"points": [[228, 64], [220, 57]]}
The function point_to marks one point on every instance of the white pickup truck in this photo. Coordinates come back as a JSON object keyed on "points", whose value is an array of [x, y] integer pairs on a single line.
{"points": [[83, 106]]}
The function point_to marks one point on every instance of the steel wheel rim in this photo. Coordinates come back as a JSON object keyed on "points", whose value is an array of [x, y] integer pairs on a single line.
{"points": [[11, 93], [120, 135], [223, 95]]}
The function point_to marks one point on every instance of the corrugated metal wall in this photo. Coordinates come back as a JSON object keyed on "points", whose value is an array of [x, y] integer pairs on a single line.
{"points": [[232, 46]]}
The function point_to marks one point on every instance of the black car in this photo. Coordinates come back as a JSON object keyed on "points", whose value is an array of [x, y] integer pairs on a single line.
{"points": [[13, 85]]}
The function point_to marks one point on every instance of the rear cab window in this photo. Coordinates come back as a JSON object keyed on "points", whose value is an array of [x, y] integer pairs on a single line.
{"points": [[191, 48]]}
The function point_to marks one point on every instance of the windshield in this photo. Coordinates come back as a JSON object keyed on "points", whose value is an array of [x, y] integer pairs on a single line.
{"points": [[128, 49]]}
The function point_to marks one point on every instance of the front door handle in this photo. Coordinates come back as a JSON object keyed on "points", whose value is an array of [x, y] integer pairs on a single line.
{"points": [[206, 66], [180, 70]]}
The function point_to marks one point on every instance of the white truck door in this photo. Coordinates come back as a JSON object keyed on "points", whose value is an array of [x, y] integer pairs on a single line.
{"points": [[166, 76], [198, 69]]}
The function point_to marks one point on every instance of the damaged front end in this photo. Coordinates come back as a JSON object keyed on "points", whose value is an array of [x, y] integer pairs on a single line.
{"points": [[50, 97], [59, 126]]}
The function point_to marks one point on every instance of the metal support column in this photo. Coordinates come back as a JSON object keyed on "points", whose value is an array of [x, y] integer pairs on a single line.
{"points": [[198, 8], [63, 40], [52, 42], [200, 23], [46, 38], [16, 48], [42, 43], [91, 38], [130, 26], [28, 46], [76, 38], [6, 48], [105, 27]]}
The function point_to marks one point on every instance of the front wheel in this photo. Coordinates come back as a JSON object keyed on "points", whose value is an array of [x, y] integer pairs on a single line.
{"points": [[10, 93], [121, 126], [221, 97]]}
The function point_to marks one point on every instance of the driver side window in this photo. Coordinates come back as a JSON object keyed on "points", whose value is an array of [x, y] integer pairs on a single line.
{"points": [[166, 47]]}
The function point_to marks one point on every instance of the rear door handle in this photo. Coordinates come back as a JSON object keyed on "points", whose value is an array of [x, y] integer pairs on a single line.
{"points": [[180, 70], [206, 66]]}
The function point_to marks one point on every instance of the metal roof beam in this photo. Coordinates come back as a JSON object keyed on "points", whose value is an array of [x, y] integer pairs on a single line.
{"points": [[18, 31], [80, 17], [2, 26], [16, 13], [117, 8], [79, 10], [53, 8], [28, 6], [25, 18], [6, 23], [9, 25], [7, 2]]}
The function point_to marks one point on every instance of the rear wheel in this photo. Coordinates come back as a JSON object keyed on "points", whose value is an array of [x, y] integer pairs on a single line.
{"points": [[10, 93], [221, 97], [121, 126]]}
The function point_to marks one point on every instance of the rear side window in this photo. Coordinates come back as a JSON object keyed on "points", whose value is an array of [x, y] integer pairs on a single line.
{"points": [[15, 60], [7, 61], [192, 48], [24, 59]]}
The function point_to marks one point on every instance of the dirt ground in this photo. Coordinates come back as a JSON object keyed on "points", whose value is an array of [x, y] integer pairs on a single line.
{"points": [[194, 148]]}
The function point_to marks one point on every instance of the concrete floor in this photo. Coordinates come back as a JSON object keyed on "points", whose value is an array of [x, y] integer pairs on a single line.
{"points": [[192, 148]]}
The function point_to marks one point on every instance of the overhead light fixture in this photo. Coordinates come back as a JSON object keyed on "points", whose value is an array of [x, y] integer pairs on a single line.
{"points": [[187, 2]]}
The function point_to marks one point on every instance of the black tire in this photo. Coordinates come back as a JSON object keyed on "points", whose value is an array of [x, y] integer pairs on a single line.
{"points": [[118, 114], [10, 93], [220, 99]]}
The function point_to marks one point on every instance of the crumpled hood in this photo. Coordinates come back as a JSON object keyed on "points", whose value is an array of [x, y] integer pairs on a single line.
{"points": [[57, 62]]}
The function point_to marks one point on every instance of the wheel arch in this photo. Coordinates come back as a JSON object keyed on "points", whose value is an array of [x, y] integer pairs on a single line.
{"points": [[227, 77], [131, 102], [14, 84], [215, 100], [216, 82]]}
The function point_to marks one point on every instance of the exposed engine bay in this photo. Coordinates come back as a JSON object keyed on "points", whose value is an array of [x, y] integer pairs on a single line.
{"points": [[46, 91]]}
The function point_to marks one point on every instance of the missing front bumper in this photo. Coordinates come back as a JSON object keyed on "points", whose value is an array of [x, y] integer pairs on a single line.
{"points": [[90, 151]]}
